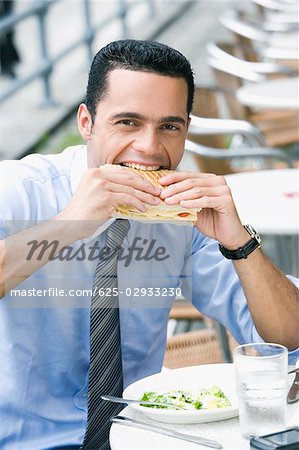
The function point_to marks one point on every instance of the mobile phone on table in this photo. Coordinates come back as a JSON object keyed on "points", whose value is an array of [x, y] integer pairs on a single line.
{"points": [[283, 440]]}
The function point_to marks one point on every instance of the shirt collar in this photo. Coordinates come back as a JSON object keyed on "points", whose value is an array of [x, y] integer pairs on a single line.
{"points": [[79, 164]]}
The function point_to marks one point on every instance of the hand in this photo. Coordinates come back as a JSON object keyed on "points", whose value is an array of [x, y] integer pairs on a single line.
{"points": [[219, 218], [100, 191]]}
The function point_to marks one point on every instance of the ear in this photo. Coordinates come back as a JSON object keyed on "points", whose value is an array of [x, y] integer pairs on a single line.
{"points": [[187, 127], [84, 122]]}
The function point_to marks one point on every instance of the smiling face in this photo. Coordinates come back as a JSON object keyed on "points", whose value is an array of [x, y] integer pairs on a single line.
{"points": [[142, 119]]}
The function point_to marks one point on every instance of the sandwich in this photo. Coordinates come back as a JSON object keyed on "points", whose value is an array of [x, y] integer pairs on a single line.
{"points": [[161, 212]]}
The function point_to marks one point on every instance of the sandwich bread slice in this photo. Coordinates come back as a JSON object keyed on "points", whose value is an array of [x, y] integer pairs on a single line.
{"points": [[161, 212]]}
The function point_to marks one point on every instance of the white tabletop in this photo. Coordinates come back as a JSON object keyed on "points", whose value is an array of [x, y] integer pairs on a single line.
{"points": [[287, 40], [276, 94], [280, 53], [268, 199], [282, 17], [225, 431]]}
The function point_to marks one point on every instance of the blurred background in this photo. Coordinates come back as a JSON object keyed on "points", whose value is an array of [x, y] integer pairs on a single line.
{"points": [[55, 42], [245, 122]]}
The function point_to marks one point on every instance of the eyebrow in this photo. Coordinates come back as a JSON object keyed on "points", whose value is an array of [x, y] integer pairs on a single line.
{"points": [[174, 119], [133, 115]]}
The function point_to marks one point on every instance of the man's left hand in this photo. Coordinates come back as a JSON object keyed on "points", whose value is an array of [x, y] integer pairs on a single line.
{"points": [[219, 218]]}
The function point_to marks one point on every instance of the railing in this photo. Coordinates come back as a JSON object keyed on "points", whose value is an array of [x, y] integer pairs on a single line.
{"points": [[39, 9]]}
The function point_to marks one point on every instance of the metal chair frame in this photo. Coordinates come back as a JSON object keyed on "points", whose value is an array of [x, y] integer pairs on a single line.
{"points": [[251, 152], [228, 60], [217, 126], [232, 21]]}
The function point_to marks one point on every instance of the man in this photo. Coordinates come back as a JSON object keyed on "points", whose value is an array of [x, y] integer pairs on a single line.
{"points": [[138, 101]]}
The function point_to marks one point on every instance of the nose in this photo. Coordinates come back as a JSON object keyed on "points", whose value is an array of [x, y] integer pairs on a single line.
{"points": [[148, 143]]}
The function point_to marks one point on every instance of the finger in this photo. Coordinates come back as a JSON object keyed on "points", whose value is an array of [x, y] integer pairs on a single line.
{"points": [[180, 176], [125, 176], [217, 202], [126, 199], [132, 191], [191, 183], [197, 192]]}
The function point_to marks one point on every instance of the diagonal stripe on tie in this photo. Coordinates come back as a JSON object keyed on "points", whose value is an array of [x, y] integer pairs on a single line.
{"points": [[109, 370], [105, 371]]}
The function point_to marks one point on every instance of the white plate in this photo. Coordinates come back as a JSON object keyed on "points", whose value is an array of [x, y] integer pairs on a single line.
{"points": [[188, 378]]}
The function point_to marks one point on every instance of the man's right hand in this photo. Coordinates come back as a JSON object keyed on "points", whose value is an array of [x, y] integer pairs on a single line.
{"points": [[100, 191]]}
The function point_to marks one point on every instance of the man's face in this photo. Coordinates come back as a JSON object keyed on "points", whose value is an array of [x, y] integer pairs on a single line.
{"points": [[142, 120]]}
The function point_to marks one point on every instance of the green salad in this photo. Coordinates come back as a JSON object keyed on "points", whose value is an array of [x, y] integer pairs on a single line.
{"points": [[204, 399]]}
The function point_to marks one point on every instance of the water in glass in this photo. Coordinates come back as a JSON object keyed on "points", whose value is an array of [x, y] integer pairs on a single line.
{"points": [[262, 403]]}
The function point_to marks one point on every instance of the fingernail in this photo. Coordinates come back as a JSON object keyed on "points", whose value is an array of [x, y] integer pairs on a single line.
{"points": [[164, 193], [169, 200], [163, 178]]}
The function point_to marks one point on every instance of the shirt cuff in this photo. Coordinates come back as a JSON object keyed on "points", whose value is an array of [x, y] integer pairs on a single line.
{"points": [[294, 280], [293, 355]]}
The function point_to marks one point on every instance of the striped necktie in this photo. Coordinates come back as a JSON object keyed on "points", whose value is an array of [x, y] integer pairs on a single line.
{"points": [[105, 372]]}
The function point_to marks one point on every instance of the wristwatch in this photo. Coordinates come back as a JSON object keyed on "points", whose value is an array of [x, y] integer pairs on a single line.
{"points": [[249, 247]]}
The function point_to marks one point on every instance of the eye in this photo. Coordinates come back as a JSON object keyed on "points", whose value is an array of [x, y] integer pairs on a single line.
{"points": [[126, 122], [170, 127]]}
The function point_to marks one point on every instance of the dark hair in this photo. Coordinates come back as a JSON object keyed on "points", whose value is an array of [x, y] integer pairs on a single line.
{"points": [[143, 56]]}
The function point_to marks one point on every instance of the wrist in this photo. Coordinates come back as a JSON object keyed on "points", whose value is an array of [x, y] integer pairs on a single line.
{"points": [[242, 251], [77, 229], [71, 230], [240, 241]]}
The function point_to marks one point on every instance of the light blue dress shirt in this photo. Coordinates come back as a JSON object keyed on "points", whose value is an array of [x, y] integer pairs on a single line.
{"points": [[44, 335]]}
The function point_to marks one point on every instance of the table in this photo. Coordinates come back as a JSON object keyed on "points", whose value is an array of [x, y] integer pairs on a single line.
{"points": [[275, 94], [282, 17], [226, 431], [289, 54], [269, 200], [286, 40]]}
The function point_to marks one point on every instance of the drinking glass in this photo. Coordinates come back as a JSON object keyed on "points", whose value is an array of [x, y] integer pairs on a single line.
{"points": [[261, 380]]}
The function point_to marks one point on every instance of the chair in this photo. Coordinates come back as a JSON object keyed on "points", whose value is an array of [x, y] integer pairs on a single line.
{"points": [[227, 53], [201, 126], [194, 348], [272, 22], [252, 35], [209, 130], [196, 153], [186, 316], [208, 331], [183, 310], [205, 106], [276, 5], [278, 127], [255, 31], [213, 136], [232, 153]]}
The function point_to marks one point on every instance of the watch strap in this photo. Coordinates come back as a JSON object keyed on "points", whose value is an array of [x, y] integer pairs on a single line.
{"points": [[245, 250]]}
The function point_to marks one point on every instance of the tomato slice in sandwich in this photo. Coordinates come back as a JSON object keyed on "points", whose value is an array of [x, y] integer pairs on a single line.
{"points": [[184, 214]]}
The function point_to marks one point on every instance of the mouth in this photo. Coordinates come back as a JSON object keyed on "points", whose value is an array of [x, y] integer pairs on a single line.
{"points": [[140, 166]]}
